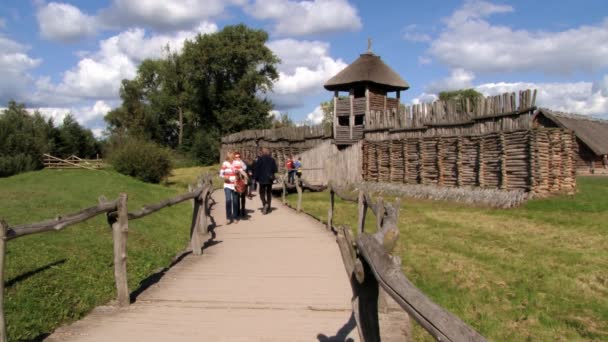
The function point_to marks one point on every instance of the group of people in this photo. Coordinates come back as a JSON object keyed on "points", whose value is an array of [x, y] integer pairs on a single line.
{"points": [[294, 167], [240, 180]]}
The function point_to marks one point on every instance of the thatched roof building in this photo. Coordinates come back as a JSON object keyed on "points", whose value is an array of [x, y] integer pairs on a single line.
{"points": [[368, 81], [367, 69], [591, 134]]}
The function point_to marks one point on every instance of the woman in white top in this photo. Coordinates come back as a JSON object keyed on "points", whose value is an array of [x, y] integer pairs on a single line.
{"points": [[228, 172]]}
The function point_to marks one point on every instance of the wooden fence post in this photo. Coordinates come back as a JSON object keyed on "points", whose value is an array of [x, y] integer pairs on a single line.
{"points": [[120, 230], [330, 211], [362, 204], [299, 189], [196, 242], [3, 228], [284, 180], [379, 213]]}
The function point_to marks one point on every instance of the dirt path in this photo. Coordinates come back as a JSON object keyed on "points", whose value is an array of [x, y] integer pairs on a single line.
{"points": [[276, 277]]}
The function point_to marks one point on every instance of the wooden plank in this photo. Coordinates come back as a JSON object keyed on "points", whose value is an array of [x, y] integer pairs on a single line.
{"points": [[120, 230], [441, 324]]}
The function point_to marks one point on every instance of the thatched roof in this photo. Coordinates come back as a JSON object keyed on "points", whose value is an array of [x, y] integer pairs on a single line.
{"points": [[367, 68], [593, 132]]}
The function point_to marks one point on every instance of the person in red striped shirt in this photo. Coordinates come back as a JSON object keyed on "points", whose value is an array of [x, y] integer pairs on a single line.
{"points": [[228, 173]]}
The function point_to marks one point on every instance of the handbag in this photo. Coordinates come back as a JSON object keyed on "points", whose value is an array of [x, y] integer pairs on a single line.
{"points": [[241, 184]]}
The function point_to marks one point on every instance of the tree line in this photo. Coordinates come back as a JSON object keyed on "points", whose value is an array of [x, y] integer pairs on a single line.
{"points": [[25, 137]]}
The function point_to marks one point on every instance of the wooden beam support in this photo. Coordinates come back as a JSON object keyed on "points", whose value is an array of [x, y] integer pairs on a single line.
{"points": [[120, 230]]}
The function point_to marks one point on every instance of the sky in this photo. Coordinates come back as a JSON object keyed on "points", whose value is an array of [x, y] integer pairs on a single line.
{"points": [[70, 57]]}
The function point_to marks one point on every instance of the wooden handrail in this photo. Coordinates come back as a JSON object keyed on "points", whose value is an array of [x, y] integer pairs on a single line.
{"points": [[369, 265], [441, 324], [60, 222], [118, 218]]}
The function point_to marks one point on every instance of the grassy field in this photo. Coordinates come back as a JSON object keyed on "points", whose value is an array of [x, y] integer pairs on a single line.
{"points": [[180, 178], [56, 277], [537, 273]]}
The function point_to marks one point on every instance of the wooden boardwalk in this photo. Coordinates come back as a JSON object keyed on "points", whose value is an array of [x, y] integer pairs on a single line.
{"points": [[276, 277]]}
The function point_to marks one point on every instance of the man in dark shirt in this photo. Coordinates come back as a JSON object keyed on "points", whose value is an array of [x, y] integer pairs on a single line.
{"points": [[265, 168]]}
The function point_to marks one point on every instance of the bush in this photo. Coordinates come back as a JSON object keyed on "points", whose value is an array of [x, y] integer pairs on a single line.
{"points": [[12, 165], [143, 160]]}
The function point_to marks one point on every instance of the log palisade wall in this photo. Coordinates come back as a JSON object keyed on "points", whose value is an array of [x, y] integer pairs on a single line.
{"points": [[489, 144], [540, 161], [282, 142]]}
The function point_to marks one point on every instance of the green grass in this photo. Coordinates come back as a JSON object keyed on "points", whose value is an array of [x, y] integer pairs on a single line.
{"points": [[538, 272], [181, 178], [56, 277]]}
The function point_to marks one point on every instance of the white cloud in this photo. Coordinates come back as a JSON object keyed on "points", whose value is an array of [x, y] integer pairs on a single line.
{"points": [[590, 98], [424, 98], [163, 14], [85, 115], [411, 33], [470, 42], [458, 79], [307, 17], [316, 116], [99, 75], [64, 22], [275, 114], [423, 60], [306, 67], [15, 65]]}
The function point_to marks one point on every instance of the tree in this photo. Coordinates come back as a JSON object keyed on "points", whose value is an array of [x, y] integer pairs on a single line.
{"points": [[188, 100], [282, 121], [328, 113], [73, 139], [461, 96]]}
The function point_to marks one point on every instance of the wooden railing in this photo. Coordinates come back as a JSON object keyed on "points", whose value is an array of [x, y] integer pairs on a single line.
{"points": [[299, 184], [118, 218], [369, 266], [72, 162]]}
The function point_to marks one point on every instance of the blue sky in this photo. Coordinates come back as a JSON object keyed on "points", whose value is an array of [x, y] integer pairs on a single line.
{"points": [[70, 56]]}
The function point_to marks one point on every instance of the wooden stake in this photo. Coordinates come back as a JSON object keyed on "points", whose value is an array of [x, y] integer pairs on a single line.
{"points": [[120, 230], [299, 189], [362, 204], [379, 213], [330, 212], [196, 242]]}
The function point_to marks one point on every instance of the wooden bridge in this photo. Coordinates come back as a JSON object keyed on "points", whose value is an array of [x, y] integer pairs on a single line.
{"points": [[271, 277], [276, 277]]}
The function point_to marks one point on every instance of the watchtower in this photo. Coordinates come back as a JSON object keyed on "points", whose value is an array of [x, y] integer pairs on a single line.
{"points": [[368, 80]]}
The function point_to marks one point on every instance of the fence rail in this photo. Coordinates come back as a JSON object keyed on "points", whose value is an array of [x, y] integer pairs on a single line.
{"points": [[72, 162], [369, 266], [118, 218]]}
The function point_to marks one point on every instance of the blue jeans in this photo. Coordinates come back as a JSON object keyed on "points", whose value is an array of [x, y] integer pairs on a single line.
{"points": [[232, 204]]}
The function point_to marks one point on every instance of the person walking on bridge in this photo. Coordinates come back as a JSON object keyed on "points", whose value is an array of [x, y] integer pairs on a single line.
{"points": [[265, 168], [228, 173]]}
